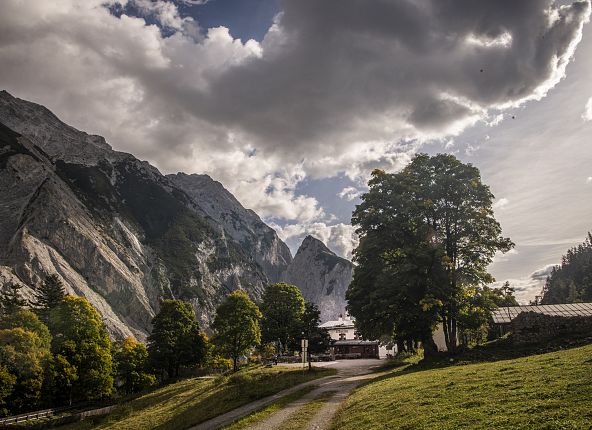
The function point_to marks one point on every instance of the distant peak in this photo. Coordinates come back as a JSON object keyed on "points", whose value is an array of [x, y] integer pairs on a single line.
{"points": [[312, 242]]}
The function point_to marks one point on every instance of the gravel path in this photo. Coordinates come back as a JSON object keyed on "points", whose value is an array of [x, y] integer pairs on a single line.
{"points": [[351, 373]]}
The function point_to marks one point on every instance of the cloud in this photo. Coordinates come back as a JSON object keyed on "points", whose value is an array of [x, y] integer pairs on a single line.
{"points": [[587, 115], [530, 287], [349, 193], [589, 180], [333, 87], [339, 238], [501, 203]]}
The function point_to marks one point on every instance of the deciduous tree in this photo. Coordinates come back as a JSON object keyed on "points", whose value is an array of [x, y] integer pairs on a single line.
{"points": [[175, 340], [236, 326], [282, 308], [80, 337], [427, 234], [131, 359]]}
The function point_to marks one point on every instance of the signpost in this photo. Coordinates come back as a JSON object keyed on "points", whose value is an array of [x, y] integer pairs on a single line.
{"points": [[304, 345]]}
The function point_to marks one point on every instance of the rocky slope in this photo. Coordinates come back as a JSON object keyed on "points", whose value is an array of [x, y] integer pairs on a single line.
{"points": [[321, 276], [243, 225], [111, 226]]}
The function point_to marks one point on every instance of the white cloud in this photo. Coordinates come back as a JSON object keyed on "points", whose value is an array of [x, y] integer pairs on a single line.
{"points": [[339, 238], [349, 193], [261, 117], [587, 115], [501, 203], [528, 288]]}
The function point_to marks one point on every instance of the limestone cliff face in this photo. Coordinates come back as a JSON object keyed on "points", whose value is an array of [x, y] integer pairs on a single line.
{"points": [[243, 225], [322, 277], [112, 227]]}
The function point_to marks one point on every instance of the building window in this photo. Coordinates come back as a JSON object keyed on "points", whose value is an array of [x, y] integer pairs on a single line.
{"points": [[341, 336]]}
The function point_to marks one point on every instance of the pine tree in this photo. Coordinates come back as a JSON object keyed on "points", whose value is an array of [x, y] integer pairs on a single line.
{"points": [[48, 296], [11, 299]]}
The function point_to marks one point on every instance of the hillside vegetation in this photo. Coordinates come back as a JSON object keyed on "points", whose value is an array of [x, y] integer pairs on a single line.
{"points": [[571, 282], [547, 391], [192, 401]]}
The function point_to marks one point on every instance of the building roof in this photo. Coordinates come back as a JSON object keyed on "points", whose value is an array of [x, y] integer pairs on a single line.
{"points": [[340, 323], [354, 342], [505, 315]]}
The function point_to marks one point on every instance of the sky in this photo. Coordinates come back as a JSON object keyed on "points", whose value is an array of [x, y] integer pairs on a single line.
{"points": [[292, 103]]}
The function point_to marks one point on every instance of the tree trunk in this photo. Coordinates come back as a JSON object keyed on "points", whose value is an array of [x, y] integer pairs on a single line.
{"points": [[400, 346], [430, 349], [234, 364]]}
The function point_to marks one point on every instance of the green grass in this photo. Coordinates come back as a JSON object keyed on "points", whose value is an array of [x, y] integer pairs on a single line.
{"points": [[192, 401], [262, 414], [547, 391], [299, 419]]}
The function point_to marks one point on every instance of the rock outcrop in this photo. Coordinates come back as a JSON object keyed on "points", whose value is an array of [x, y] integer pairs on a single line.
{"points": [[242, 225], [112, 227], [322, 276]]}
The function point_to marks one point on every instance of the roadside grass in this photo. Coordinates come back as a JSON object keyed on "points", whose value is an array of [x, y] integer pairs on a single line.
{"points": [[185, 403], [546, 391], [262, 414], [299, 419]]}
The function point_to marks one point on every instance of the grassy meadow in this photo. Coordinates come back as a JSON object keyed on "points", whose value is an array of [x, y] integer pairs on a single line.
{"points": [[546, 391], [180, 405]]}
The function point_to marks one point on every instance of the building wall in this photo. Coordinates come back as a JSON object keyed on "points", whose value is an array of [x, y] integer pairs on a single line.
{"points": [[336, 333]]}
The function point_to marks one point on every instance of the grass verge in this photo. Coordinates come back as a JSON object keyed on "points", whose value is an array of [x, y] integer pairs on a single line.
{"points": [[262, 414], [299, 419], [547, 391], [183, 404]]}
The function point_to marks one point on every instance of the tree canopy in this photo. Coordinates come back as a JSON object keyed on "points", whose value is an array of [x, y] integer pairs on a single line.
{"points": [[131, 357], [81, 339], [426, 234], [282, 308], [175, 340], [236, 326], [571, 282]]}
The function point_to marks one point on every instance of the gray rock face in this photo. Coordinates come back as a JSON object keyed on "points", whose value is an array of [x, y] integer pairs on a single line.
{"points": [[322, 277], [112, 227], [243, 225]]}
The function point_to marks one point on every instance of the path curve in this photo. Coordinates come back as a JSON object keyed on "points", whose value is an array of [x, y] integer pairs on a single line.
{"points": [[350, 374]]}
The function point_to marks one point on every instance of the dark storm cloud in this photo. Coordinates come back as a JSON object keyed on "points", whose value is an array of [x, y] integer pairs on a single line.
{"points": [[346, 70]]}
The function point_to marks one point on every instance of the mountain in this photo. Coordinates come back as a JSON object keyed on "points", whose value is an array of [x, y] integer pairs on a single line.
{"points": [[322, 277], [243, 225], [115, 229]]}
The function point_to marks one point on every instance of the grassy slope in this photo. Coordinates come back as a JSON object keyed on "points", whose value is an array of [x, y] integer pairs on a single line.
{"points": [[189, 402], [548, 391]]}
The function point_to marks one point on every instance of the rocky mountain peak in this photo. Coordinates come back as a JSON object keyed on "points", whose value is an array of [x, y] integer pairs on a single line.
{"points": [[322, 276]]}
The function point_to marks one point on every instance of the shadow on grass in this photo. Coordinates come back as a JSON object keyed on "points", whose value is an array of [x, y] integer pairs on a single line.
{"points": [[498, 350]]}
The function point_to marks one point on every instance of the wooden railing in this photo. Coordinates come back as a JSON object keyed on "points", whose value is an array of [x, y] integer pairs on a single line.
{"points": [[28, 416]]}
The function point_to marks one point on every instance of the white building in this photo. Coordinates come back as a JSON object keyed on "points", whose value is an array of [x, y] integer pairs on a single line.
{"points": [[347, 343]]}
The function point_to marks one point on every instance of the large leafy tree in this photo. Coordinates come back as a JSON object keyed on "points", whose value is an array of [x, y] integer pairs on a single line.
{"points": [[427, 234], [7, 381], [48, 296], [175, 340], [24, 354], [236, 326], [81, 340], [282, 308], [131, 358]]}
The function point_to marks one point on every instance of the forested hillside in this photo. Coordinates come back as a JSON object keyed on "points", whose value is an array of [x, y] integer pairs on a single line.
{"points": [[571, 282]]}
